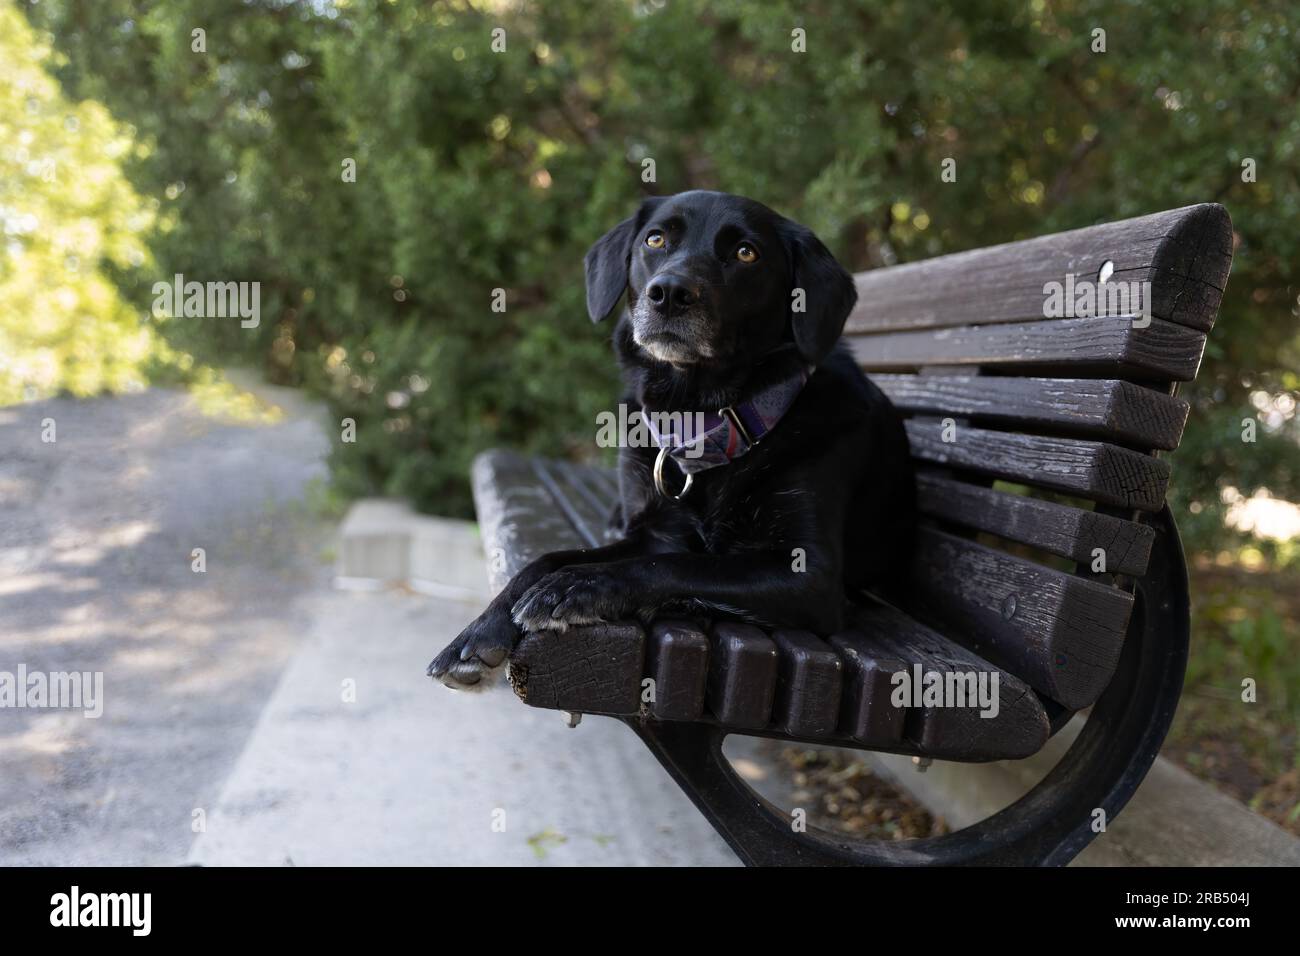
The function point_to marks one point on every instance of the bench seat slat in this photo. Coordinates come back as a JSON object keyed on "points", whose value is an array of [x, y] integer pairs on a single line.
{"points": [[599, 671], [596, 487], [809, 682], [677, 660], [1060, 633], [868, 716], [1020, 726], [574, 499], [1058, 529], [1110, 345], [742, 675], [517, 515], [1105, 408], [1090, 469], [1184, 253]]}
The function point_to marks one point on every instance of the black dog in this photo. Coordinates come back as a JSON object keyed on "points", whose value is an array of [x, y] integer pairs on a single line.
{"points": [[800, 491]]}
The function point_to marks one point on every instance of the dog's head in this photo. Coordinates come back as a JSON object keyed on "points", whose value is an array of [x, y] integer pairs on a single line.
{"points": [[717, 280]]}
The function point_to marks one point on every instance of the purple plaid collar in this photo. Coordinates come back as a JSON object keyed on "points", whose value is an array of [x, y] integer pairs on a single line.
{"points": [[703, 440]]}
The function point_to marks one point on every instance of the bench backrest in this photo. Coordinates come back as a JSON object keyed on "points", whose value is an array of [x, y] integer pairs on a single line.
{"points": [[1038, 379]]}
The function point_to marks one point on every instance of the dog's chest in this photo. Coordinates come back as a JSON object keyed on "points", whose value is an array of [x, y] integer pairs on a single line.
{"points": [[747, 506]]}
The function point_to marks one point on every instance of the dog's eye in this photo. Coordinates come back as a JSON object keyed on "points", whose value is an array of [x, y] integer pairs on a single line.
{"points": [[655, 240], [747, 253]]}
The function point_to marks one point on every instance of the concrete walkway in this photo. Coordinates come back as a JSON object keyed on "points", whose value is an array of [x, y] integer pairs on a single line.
{"points": [[410, 773]]}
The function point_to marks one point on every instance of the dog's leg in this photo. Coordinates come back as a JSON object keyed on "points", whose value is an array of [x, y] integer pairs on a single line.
{"points": [[482, 647], [763, 588]]}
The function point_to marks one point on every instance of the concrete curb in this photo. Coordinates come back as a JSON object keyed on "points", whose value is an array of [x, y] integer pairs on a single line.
{"points": [[383, 543]]}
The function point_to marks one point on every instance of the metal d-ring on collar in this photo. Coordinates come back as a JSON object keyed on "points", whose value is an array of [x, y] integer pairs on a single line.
{"points": [[727, 414], [659, 477]]}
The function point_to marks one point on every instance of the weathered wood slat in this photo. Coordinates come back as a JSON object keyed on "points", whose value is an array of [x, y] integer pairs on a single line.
{"points": [[1184, 253], [808, 685], [1017, 727], [1089, 469], [1055, 528], [867, 714], [574, 500], [742, 675], [595, 670], [1107, 408], [833, 692], [516, 514], [1060, 633], [677, 659], [1107, 345], [602, 481], [585, 481]]}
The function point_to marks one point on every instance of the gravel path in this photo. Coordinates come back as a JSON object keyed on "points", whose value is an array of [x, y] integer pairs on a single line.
{"points": [[96, 533]]}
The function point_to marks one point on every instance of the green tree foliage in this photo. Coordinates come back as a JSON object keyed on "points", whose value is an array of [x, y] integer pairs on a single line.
{"points": [[479, 170], [72, 235]]}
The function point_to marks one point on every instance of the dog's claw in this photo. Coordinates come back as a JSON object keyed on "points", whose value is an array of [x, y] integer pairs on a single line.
{"points": [[570, 613], [572, 597], [492, 654], [534, 611], [476, 653], [462, 674]]}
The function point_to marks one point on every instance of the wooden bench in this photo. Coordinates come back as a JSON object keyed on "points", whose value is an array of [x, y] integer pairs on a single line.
{"points": [[1046, 553]]}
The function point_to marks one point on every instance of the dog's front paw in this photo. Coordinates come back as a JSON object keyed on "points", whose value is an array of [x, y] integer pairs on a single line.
{"points": [[477, 653], [568, 598]]}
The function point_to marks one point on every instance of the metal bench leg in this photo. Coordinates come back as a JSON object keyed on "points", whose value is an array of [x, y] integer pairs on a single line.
{"points": [[1050, 825]]}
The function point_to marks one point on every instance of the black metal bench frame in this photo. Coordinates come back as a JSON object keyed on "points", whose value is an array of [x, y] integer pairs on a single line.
{"points": [[1186, 255], [1048, 826]]}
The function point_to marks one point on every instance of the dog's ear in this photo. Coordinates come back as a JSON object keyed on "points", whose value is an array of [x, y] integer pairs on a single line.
{"points": [[828, 294], [607, 261]]}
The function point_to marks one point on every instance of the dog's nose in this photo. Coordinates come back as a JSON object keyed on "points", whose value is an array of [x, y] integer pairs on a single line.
{"points": [[671, 295]]}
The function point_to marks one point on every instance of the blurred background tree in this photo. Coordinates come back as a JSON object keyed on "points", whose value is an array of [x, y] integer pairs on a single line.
{"points": [[73, 230], [479, 170]]}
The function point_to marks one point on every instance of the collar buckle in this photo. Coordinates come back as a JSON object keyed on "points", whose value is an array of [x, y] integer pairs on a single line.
{"points": [[729, 413]]}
